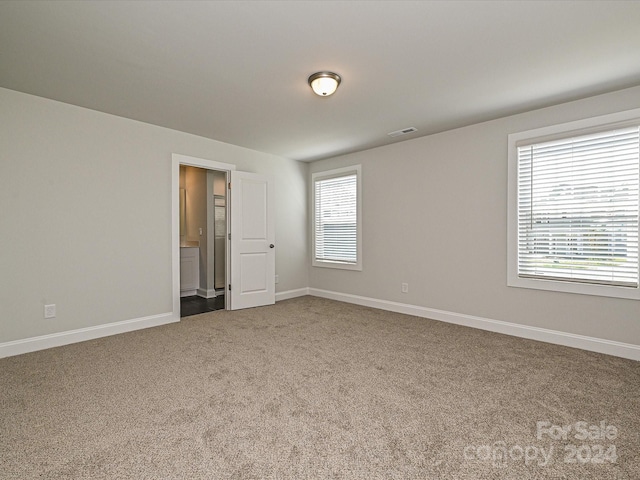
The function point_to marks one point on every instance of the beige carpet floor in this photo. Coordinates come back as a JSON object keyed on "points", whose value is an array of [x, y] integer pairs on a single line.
{"points": [[316, 389]]}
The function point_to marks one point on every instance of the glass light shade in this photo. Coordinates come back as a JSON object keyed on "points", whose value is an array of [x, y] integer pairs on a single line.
{"points": [[324, 83]]}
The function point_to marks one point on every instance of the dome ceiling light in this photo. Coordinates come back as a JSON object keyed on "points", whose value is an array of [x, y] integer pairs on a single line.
{"points": [[324, 83]]}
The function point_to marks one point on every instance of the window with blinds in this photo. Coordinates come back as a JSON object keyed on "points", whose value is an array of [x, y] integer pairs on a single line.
{"points": [[336, 218], [578, 207]]}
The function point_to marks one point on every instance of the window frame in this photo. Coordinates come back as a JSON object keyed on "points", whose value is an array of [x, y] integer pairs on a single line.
{"points": [[327, 175], [564, 130]]}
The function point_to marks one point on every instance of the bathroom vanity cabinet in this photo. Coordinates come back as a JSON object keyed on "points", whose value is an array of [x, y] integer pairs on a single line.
{"points": [[189, 271]]}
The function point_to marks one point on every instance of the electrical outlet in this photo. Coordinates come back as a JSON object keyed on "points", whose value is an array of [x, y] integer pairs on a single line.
{"points": [[50, 311], [277, 279], [404, 287]]}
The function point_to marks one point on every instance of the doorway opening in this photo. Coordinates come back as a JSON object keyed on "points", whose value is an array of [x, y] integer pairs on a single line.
{"points": [[203, 235], [249, 254], [199, 244]]}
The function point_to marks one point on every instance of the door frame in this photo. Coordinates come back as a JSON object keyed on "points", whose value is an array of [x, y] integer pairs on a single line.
{"points": [[176, 161]]}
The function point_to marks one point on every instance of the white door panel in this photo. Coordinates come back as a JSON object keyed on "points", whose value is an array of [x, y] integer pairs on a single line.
{"points": [[253, 264], [254, 218], [252, 241]]}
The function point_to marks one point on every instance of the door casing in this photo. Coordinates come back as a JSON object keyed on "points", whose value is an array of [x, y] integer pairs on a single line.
{"points": [[176, 161]]}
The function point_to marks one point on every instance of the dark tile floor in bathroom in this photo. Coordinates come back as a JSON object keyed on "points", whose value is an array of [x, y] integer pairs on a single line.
{"points": [[195, 305]]}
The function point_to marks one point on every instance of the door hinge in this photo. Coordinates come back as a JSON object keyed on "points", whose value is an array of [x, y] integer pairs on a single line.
{"points": [[229, 185], [229, 287], [229, 236]]}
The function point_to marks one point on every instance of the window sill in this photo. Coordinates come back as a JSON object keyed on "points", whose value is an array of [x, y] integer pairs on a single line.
{"points": [[337, 265], [574, 287]]}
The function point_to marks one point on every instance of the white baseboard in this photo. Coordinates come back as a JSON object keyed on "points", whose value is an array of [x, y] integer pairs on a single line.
{"points": [[609, 347], [299, 292], [188, 293], [204, 293], [18, 347]]}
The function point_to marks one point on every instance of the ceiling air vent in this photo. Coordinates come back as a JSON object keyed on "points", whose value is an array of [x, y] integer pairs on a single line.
{"points": [[404, 131]]}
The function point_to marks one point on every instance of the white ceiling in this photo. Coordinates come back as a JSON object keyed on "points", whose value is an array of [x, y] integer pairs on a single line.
{"points": [[237, 71]]}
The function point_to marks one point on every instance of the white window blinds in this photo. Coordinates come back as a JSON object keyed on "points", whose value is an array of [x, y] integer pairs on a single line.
{"points": [[335, 219], [578, 208]]}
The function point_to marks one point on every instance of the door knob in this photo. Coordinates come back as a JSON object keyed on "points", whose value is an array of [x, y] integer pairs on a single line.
{"points": [[271, 246]]}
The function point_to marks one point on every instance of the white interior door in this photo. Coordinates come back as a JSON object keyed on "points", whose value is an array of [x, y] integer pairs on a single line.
{"points": [[253, 253]]}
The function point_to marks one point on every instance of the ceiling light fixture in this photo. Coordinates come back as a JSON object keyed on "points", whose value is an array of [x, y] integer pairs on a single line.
{"points": [[324, 83]]}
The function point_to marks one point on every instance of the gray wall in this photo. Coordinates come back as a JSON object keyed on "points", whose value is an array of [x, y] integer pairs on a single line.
{"points": [[435, 216], [86, 214], [85, 201]]}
